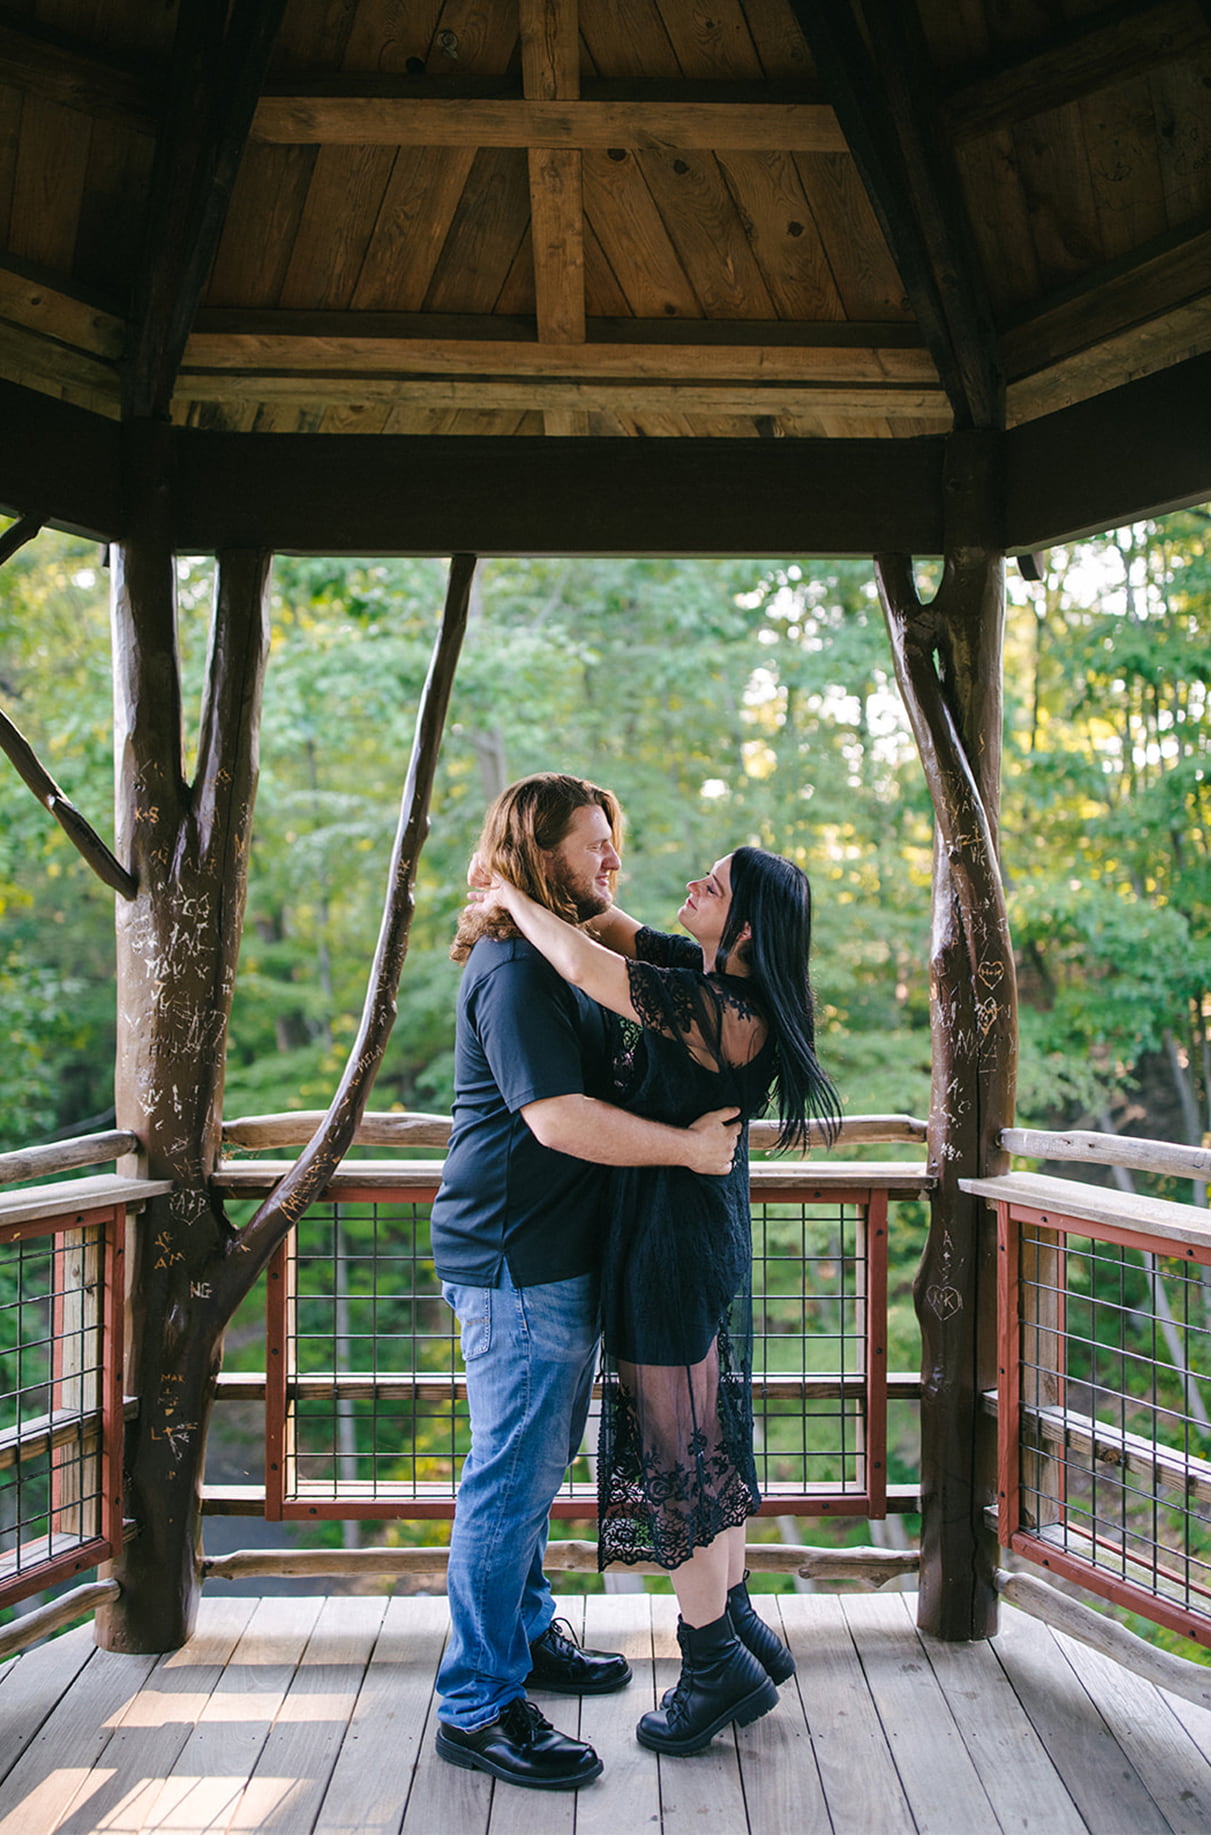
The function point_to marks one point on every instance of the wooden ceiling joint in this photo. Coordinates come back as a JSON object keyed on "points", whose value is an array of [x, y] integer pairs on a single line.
{"points": [[219, 63], [880, 95], [1088, 55]]}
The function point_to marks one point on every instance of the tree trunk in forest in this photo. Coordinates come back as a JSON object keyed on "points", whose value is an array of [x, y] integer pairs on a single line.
{"points": [[178, 943], [948, 665]]}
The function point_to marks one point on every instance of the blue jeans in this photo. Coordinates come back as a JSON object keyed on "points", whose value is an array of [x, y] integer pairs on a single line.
{"points": [[530, 1355]]}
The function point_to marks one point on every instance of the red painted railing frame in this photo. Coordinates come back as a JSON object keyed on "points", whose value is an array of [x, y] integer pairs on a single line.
{"points": [[1012, 1217], [868, 1502], [110, 1220]]}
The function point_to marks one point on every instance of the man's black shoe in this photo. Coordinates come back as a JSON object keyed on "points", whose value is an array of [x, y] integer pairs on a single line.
{"points": [[522, 1747], [560, 1664]]}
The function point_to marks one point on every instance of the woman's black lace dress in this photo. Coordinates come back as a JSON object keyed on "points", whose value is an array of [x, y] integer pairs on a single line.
{"points": [[675, 1460]]}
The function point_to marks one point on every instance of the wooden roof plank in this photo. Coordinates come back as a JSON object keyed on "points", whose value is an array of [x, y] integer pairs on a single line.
{"points": [[10, 128], [1183, 140], [1001, 213], [705, 228], [863, 271], [353, 120], [108, 237], [417, 209], [1054, 166], [633, 237], [628, 39], [344, 202], [218, 66], [785, 241], [485, 234], [711, 41], [779, 43], [385, 38], [266, 207], [48, 184], [1119, 130]]}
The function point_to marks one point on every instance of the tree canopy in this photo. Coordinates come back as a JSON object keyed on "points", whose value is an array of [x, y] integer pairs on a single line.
{"points": [[725, 702]]}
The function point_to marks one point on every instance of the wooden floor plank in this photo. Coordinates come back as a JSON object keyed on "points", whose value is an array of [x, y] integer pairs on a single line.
{"points": [[1005, 1749], [390, 1725], [703, 1790], [292, 1770], [150, 1735], [203, 1786], [1174, 1770], [1096, 1771], [782, 1787], [942, 1785], [627, 1795], [445, 1800], [57, 1765], [860, 1780], [32, 1685]]}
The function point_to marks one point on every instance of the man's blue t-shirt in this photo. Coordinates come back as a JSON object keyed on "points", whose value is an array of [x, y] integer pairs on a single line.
{"points": [[523, 1034]]}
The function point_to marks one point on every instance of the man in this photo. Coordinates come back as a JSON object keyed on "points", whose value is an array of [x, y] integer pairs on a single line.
{"points": [[516, 1239]]}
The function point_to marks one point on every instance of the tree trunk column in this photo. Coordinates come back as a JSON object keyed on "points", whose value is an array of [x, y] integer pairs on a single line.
{"points": [[948, 657]]}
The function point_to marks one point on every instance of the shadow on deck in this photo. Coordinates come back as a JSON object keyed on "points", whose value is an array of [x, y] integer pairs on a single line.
{"points": [[314, 1716]]}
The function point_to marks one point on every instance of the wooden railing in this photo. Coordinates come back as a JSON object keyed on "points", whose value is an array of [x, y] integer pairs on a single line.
{"points": [[382, 1438], [62, 1250], [1104, 1399]]}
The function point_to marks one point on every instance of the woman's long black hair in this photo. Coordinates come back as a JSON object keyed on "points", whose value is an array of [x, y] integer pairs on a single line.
{"points": [[774, 898]]}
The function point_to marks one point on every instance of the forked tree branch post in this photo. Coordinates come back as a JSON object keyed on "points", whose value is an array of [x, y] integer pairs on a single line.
{"points": [[948, 661], [178, 943]]}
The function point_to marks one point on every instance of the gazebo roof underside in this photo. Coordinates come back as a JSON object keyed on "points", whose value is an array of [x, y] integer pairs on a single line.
{"points": [[603, 275]]}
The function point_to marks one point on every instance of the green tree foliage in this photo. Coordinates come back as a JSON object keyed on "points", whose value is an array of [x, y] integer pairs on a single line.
{"points": [[725, 702]]}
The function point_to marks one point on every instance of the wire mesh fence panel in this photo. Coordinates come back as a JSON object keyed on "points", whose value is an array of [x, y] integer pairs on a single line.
{"points": [[60, 1405], [1106, 1445], [367, 1412]]}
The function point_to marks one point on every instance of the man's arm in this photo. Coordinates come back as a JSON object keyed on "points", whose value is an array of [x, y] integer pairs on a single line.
{"points": [[597, 1131]]}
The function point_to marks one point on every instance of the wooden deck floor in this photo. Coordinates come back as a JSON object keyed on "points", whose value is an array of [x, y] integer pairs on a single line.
{"points": [[315, 1717]]}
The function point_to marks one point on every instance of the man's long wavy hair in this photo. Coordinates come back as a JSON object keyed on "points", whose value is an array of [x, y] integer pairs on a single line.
{"points": [[524, 823]]}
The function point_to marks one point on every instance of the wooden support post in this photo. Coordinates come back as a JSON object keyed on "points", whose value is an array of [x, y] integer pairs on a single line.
{"points": [[178, 940], [948, 664]]}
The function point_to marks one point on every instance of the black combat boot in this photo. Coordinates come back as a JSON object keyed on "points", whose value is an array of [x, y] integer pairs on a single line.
{"points": [[756, 1635], [720, 1682]]}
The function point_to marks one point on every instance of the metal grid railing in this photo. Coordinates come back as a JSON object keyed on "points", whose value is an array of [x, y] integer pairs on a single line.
{"points": [[365, 1401], [61, 1405], [1105, 1416]]}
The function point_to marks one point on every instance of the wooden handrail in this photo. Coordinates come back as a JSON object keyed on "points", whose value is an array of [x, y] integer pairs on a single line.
{"points": [[1110, 1150], [386, 1128], [65, 1156]]}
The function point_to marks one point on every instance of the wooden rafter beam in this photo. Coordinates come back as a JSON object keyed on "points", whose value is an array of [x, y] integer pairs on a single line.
{"points": [[237, 355], [219, 61], [1088, 55], [62, 69], [353, 120], [880, 82], [550, 64]]}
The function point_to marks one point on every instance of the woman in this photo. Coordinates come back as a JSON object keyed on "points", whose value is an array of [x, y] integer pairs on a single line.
{"points": [[723, 1019]]}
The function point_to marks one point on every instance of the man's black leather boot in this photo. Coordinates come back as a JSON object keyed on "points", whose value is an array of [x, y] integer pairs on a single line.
{"points": [[562, 1665], [522, 1747]]}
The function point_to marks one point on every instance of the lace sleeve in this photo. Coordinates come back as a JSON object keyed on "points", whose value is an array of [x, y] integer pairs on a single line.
{"points": [[667, 949], [715, 1026]]}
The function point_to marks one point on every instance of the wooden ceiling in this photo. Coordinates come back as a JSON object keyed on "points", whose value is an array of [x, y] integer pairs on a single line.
{"points": [[591, 220]]}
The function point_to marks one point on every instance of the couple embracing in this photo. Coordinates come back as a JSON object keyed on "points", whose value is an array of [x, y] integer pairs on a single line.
{"points": [[596, 1187]]}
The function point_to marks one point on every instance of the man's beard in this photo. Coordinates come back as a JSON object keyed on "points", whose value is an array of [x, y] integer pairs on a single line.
{"points": [[588, 904]]}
